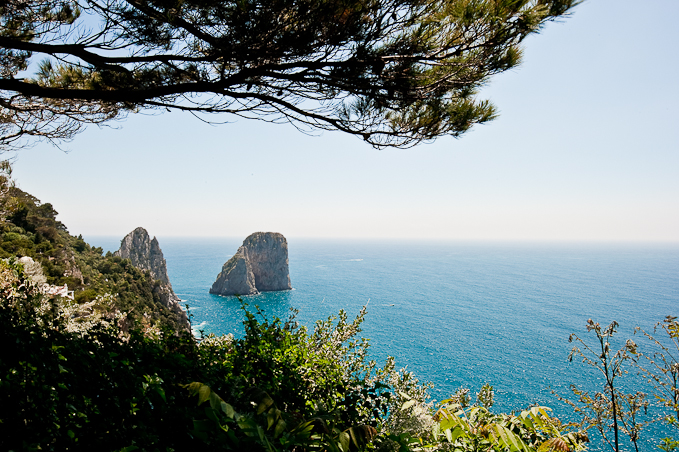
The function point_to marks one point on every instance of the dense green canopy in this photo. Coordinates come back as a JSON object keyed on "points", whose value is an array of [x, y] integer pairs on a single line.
{"points": [[393, 72]]}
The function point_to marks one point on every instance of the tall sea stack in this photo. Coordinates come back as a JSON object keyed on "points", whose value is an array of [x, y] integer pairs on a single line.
{"points": [[259, 265], [145, 254]]}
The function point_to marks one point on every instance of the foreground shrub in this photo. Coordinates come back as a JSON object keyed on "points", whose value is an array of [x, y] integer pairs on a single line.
{"points": [[97, 388], [280, 387]]}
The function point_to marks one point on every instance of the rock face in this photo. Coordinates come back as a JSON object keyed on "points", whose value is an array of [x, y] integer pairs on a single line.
{"points": [[259, 265], [236, 276], [146, 254]]}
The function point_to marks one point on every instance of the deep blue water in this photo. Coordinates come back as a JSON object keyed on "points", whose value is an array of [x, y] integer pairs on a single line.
{"points": [[456, 314]]}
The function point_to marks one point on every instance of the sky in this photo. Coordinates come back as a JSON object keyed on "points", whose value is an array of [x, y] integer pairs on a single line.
{"points": [[585, 149]]}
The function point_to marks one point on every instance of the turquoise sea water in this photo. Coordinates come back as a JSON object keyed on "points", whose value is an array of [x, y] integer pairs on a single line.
{"points": [[456, 314]]}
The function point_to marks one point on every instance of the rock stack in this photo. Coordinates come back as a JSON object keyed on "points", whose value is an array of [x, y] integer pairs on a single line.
{"points": [[145, 254], [259, 265]]}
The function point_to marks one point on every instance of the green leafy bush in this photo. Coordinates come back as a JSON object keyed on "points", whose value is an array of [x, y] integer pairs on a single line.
{"points": [[476, 428], [100, 389]]}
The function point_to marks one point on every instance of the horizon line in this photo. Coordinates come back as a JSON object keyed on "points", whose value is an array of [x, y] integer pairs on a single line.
{"points": [[427, 239]]}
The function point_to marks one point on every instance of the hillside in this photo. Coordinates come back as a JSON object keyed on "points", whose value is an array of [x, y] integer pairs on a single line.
{"points": [[30, 228]]}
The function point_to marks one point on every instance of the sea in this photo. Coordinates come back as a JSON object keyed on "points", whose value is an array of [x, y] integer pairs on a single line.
{"points": [[458, 314]]}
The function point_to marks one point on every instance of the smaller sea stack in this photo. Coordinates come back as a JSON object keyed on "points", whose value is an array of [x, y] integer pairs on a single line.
{"points": [[259, 265]]}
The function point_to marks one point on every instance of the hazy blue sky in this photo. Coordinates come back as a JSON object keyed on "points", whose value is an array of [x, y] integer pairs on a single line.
{"points": [[585, 148]]}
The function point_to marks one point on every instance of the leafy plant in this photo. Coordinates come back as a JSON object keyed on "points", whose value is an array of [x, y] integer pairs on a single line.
{"points": [[661, 370], [263, 426], [475, 428], [101, 389], [610, 411]]}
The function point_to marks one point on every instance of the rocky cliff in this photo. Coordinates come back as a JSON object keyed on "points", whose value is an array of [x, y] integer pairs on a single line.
{"points": [[145, 254], [259, 265]]}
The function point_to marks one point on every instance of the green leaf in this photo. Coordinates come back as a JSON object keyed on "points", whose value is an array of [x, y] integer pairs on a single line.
{"points": [[270, 418], [262, 436], [507, 438], [215, 401], [203, 393], [527, 422], [280, 428], [161, 392], [193, 387], [210, 413], [248, 425], [543, 410], [304, 430], [361, 435], [451, 422], [455, 434], [265, 403], [345, 441], [227, 409]]}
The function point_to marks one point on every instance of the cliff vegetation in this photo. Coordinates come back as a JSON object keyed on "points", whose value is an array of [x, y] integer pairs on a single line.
{"points": [[30, 228]]}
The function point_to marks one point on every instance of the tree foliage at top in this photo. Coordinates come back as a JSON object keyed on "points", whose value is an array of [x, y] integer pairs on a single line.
{"points": [[393, 72]]}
